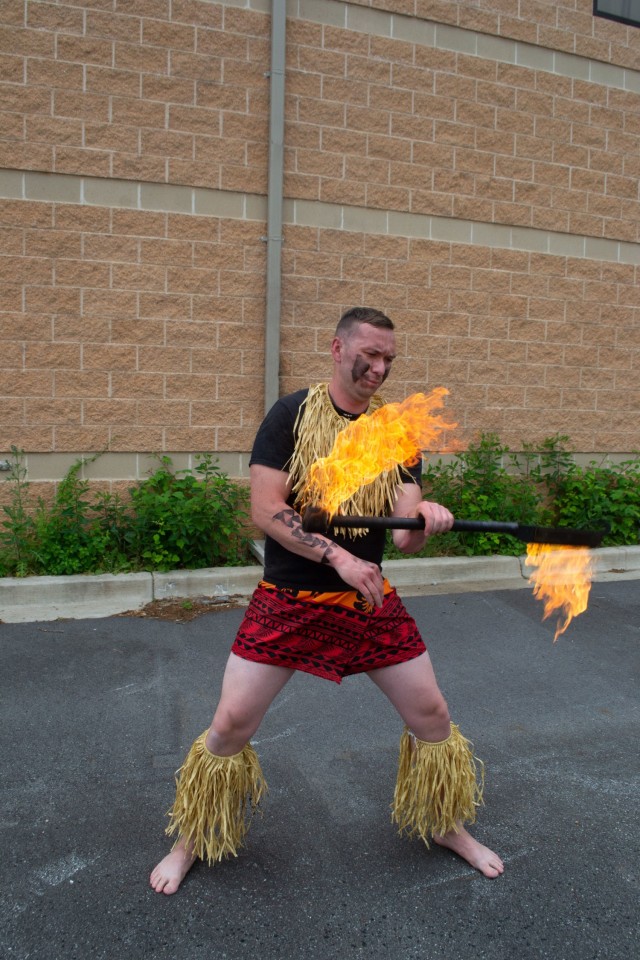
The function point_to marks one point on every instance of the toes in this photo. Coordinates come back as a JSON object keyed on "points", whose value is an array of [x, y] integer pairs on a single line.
{"points": [[494, 868], [159, 882], [166, 885]]}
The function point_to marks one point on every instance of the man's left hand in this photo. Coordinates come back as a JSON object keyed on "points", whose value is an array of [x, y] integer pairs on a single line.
{"points": [[437, 519]]}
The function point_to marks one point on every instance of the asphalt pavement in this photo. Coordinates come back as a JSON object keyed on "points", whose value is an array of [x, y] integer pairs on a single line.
{"points": [[97, 714]]}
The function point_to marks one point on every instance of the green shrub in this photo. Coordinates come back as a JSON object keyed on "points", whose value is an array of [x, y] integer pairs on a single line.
{"points": [[17, 531], [70, 535], [186, 520], [172, 520], [602, 495], [476, 485], [193, 519], [543, 487]]}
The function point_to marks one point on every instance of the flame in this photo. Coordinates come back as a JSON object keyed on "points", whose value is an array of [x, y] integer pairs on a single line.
{"points": [[395, 433], [562, 579], [398, 433]]}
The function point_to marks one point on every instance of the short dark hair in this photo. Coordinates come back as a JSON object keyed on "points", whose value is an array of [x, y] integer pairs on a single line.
{"points": [[358, 315]]}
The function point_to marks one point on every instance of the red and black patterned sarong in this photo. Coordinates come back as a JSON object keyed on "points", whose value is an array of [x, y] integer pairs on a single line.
{"points": [[330, 635]]}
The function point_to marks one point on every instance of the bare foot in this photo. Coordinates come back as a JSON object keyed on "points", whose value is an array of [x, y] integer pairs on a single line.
{"points": [[171, 871], [477, 855]]}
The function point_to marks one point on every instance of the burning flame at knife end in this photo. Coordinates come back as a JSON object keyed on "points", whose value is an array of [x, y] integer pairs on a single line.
{"points": [[561, 579]]}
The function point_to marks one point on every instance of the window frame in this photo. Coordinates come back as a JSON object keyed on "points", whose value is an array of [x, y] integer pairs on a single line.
{"points": [[606, 15]]}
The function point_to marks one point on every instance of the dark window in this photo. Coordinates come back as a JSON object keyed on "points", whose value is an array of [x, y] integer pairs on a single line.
{"points": [[626, 11]]}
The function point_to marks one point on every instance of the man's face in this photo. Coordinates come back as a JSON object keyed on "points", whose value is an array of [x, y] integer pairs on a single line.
{"points": [[365, 359]]}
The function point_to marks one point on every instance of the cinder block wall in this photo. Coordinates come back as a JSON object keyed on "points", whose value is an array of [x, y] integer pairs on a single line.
{"points": [[471, 168]]}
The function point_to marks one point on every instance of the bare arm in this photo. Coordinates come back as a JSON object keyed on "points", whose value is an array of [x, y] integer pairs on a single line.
{"points": [[437, 519], [271, 513]]}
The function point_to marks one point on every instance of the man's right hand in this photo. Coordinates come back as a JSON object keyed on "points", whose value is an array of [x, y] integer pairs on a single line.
{"points": [[270, 512], [361, 575]]}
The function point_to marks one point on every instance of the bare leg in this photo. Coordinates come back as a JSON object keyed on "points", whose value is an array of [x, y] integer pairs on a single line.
{"points": [[248, 689], [413, 690]]}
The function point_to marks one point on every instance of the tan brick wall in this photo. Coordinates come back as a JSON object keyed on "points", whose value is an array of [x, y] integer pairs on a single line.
{"points": [[173, 93], [373, 120], [527, 344], [411, 127], [472, 168], [138, 331], [564, 26]]}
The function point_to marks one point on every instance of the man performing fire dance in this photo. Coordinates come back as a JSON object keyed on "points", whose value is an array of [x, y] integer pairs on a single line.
{"points": [[325, 608]]}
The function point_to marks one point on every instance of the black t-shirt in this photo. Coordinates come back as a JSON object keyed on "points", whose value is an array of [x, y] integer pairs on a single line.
{"points": [[273, 447]]}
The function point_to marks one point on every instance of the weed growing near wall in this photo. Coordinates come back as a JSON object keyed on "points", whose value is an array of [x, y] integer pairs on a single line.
{"points": [[182, 519], [193, 519], [546, 487]]}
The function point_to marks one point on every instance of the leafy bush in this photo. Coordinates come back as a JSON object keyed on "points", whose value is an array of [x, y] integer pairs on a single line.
{"points": [[476, 485], [171, 520], [541, 487], [17, 535], [193, 519], [182, 520], [600, 495], [69, 535]]}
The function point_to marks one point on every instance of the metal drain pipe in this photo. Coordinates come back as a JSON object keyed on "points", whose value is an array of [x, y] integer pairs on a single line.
{"points": [[274, 205]]}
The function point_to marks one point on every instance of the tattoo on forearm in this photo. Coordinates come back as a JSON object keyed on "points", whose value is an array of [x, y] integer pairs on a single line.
{"points": [[289, 517], [326, 556], [292, 521]]}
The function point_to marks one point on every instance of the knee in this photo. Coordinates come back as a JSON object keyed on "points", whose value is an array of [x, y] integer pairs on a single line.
{"points": [[229, 731], [439, 714], [432, 721]]}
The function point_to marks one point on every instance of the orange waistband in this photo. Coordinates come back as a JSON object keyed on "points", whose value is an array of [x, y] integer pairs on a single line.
{"points": [[343, 598]]}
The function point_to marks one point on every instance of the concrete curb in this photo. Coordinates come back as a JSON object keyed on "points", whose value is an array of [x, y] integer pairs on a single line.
{"points": [[51, 598], [416, 577]]}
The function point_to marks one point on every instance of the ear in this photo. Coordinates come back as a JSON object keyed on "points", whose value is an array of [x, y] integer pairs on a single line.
{"points": [[337, 347]]}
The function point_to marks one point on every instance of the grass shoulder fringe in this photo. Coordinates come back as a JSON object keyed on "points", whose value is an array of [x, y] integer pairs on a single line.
{"points": [[437, 788], [215, 798]]}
